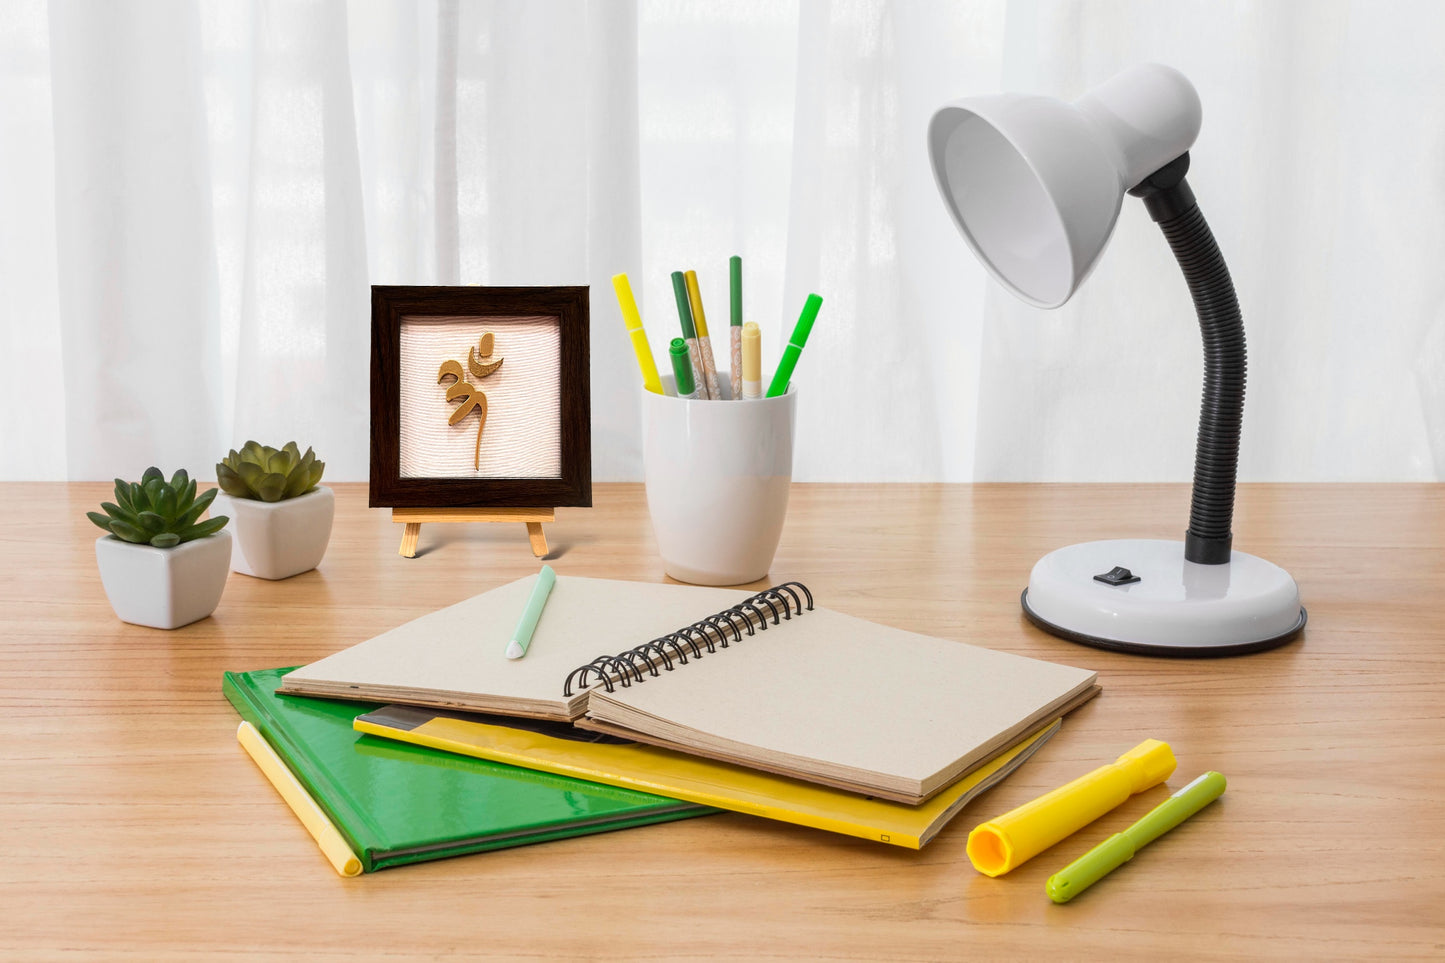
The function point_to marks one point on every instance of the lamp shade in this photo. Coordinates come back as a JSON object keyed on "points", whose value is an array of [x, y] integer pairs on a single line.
{"points": [[1035, 183]]}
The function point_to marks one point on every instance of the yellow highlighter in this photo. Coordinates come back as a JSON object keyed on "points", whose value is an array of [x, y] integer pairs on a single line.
{"points": [[1009, 841], [633, 320], [321, 828]]}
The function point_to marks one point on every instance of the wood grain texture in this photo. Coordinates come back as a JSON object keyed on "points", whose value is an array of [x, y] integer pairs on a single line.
{"points": [[136, 828]]}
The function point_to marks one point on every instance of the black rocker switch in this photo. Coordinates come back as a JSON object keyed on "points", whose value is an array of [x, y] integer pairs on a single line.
{"points": [[1118, 575]]}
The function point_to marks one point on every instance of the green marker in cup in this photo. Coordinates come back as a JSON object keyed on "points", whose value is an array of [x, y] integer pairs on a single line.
{"points": [[795, 346], [682, 368]]}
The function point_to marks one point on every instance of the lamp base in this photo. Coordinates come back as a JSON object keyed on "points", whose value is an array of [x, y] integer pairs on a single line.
{"points": [[1143, 596]]}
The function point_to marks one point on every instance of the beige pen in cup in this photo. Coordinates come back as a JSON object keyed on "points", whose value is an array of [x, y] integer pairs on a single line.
{"points": [[752, 361], [735, 329], [704, 343]]}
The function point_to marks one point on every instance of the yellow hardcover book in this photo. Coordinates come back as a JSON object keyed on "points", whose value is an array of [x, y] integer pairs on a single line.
{"points": [[560, 749]]}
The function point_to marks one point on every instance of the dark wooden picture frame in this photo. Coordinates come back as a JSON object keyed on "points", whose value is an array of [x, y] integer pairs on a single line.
{"points": [[572, 486]]}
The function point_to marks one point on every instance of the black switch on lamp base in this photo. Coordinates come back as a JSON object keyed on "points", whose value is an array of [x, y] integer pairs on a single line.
{"points": [[1118, 575]]}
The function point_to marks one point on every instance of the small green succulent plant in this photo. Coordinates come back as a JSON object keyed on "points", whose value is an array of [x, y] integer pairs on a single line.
{"points": [[156, 512], [268, 474]]}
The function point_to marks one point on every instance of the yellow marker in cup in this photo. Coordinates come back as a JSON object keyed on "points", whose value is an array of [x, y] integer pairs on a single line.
{"points": [[704, 342], [633, 320]]}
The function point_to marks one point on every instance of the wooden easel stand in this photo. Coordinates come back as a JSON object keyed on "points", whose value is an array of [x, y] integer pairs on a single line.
{"points": [[413, 518]]}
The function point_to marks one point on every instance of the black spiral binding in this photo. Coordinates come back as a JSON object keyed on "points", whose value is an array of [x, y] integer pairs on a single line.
{"points": [[781, 602]]}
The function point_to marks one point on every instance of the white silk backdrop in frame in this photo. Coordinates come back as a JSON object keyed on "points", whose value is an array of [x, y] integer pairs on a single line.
{"points": [[522, 434], [197, 196]]}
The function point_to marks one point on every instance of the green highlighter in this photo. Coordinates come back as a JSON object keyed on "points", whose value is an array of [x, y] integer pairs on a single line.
{"points": [[1119, 848]]}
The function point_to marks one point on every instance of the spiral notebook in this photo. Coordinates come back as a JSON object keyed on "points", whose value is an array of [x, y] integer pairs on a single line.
{"points": [[769, 680]]}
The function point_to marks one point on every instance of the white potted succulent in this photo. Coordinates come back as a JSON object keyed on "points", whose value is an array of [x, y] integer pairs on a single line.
{"points": [[282, 519], [160, 564]]}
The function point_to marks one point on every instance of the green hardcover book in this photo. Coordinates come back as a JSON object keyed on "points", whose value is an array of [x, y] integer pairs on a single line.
{"points": [[397, 803]]}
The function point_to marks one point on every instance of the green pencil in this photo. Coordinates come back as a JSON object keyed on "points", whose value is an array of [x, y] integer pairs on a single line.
{"points": [[735, 288], [689, 330]]}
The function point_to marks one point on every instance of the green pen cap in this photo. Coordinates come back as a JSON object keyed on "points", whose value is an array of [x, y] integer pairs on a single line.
{"points": [[684, 308], [681, 367], [806, 319], [735, 288]]}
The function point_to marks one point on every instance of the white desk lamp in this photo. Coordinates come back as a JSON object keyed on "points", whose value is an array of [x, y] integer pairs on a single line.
{"points": [[1035, 185]]}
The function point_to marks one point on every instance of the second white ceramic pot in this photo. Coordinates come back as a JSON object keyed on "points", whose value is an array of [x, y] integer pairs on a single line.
{"points": [[277, 540]]}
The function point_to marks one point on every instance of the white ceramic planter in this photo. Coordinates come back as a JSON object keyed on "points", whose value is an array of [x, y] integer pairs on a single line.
{"points": [[164, 588], [278, 539]]}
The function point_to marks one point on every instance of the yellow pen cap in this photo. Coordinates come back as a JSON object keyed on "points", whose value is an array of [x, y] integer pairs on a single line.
{"points": [[752, 352], [1010, 840]]}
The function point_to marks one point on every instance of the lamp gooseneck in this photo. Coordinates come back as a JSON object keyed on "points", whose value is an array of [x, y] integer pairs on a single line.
{"points": [[1171, 204]]}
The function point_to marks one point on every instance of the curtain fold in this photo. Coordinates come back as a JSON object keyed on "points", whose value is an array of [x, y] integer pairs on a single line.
{"points": [[304, 346], [136, 266], [32, 374], [198, 196]]}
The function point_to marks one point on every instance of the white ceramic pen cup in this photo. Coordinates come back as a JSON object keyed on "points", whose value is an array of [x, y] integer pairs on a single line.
{"points": [[717, 476]]}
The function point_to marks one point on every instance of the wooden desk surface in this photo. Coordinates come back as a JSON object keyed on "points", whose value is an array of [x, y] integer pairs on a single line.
{"points": [[134, 827]]}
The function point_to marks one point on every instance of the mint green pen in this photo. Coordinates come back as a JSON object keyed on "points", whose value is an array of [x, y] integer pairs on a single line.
{"points": [[786, 364], [527, 624], [1119, 848]]}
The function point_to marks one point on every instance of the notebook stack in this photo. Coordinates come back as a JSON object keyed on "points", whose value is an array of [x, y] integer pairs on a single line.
{"points": [[650, 703]]}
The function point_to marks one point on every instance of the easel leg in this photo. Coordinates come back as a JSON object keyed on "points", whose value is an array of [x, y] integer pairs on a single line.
{"points": [[409, 536], [538, 538]]}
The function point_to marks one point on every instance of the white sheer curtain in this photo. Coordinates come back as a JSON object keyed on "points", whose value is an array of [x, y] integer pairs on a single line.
{"points": [[197, 196]]}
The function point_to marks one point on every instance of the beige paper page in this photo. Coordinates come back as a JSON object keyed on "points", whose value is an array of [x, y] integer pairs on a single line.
{"points": [[461, 649], [830, 687]]}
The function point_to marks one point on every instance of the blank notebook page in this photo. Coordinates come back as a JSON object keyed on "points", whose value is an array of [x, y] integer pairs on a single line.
{"points": [[460, 650], [845, 691]]}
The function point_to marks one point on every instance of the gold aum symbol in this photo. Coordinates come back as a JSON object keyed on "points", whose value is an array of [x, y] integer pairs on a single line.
{"points": [[462, 390]]}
